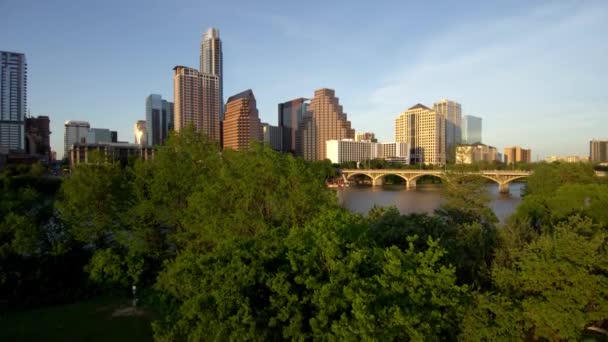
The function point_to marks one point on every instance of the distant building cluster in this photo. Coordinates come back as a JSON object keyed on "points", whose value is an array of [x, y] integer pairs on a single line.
{"points": [[567, 159], [314, 128]]}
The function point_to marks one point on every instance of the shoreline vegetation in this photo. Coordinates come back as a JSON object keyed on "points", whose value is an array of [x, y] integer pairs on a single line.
{"points": [[253, 245]]}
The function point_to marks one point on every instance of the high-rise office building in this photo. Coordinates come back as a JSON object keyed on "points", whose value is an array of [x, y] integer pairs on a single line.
{"points": [[196, 102], [598, 151], [139, 130], [471, 129], [13, 100], [271, 135], [75, 132], [38, 137], [241, 121], [212, 64], [99, 135], [517, 154], [366, 136], [452, 113], [324, 120], [424, 130], [159, 119], [291, 114]]}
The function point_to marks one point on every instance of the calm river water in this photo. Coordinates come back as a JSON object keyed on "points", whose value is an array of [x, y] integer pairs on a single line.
{"points": [[424, 199]]}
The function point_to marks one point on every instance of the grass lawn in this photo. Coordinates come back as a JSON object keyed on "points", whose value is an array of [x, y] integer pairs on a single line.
{"points": [[99, 319]]}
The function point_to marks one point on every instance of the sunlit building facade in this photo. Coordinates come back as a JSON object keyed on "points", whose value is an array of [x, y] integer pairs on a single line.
{"points": [[212, 64], [424, 131], [139, 130], [196, 102], [598, 151], [323, 121], [349, 150], [366, 136], [517, 154], [470, 154], [242, 124], [451, 111]]}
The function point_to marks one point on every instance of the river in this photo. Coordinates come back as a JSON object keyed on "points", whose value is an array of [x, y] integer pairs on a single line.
{"points": [[424, 199]]}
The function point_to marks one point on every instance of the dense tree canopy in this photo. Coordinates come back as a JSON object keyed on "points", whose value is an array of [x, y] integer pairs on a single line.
{"points": [[252, 245]]}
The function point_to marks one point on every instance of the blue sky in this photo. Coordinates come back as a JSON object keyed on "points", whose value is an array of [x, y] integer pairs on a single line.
{"points": [[535, 71]]}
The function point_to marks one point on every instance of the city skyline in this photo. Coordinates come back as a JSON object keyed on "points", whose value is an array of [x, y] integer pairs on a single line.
{"points": [[503, 70]]}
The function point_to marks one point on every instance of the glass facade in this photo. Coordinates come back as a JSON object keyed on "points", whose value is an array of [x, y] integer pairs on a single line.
{"points": [[471, 129], [291, 114], [13, 100], [159, 119]]}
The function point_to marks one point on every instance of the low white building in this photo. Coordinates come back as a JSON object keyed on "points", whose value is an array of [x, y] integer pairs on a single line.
{"points": [[339, 151]]}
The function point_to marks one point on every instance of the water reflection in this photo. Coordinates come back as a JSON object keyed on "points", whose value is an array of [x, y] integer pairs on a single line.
{"points": [[424, 199]]}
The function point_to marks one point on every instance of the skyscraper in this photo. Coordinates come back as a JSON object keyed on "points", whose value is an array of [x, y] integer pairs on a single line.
{"points": [[159, 119], [13, 100], [598, 151], [471, 129], [38, 136], [424, 130], [242, 124], [139, 130], [324, 120], [272, 136], [99, 135], [291, 114], [196, 101], [452, 113], [75, 132], [212, 63]]}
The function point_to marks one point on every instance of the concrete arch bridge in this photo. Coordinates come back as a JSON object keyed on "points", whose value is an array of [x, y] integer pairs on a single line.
{"points": [[501, 177]]}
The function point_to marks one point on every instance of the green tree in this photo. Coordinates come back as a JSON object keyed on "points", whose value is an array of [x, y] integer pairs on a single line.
{"points": [[555, 288], [323, 280]]}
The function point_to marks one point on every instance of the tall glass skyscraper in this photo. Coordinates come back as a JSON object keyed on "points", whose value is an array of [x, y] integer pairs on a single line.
{"points": [[159, 119], [471, 129], [212, 62], [13, 100], [291, 114]]}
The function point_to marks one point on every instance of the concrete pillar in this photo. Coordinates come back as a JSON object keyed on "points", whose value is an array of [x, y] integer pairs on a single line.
{"points": [[411, 184], [377, 181], [503, 188]]}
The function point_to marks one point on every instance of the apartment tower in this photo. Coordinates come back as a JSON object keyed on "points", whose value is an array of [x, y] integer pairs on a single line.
{"points": [[212, 64], [13, 100], [159, 120], [324, 120], [196, 101], [424, 130], [242, 124], [452, 113], [291, 114]]}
